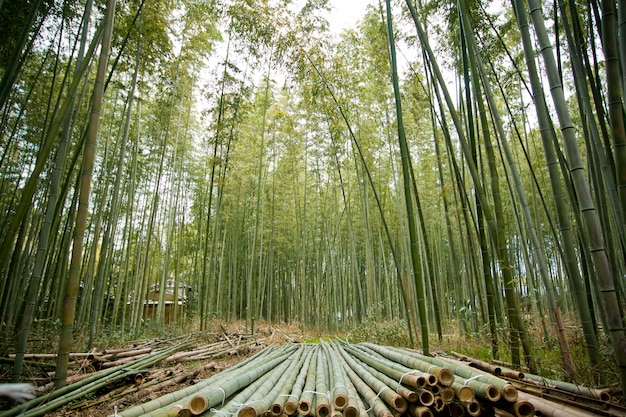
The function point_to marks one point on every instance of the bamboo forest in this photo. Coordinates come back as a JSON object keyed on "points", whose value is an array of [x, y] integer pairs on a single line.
{"points": [[439, 170]]}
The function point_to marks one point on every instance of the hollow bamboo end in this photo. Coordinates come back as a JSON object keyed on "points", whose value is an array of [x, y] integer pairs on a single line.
{"points": [[138, 379], [184, 413], [247, 411], [421, 381], [604, 395], [473, 408], [322, 410], [350, 411], [465, 394], [492, 393], [399, 403], [304, 407], [432, 380], [411, 396], [198, 404], [524, 409], [426, 398], [438, 404], [447, 395], [290, 408], [445, 377], [509, 393], [276, 409], [340, 401]]}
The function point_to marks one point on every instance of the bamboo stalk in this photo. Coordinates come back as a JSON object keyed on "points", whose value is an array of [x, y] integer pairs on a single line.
{"points": [[396, 401], [291, 405], [261, 357], [482, 389], [340, 392], [508, 391], [443, 374], [211, 396], [71, 392], [305, 404], [396, 371], [471, 407], [407, 394]]}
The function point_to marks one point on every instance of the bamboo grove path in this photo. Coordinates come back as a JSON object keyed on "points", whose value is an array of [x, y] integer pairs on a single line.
{"points": [[326, 379]]}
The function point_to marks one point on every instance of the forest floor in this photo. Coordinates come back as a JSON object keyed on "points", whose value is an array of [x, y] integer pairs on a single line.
{"points": [[209, 352]]}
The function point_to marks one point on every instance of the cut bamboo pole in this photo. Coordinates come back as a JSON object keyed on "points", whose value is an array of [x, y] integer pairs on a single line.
{"points": [[463, 392], [508, 391], [322, 394], [212, 395], [408, 394], [394, 370], [261, 357], [396, 401], [72, 392], [277, 407], [598, 394], [305, 404], [471, 407], [339, 390], [377, 406], [443, 373], [291, 405]]}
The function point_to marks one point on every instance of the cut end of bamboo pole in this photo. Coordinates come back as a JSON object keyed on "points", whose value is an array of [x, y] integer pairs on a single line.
{"points": [[426, 398], [322, 410], [304, 407], [247, 411], [465, 394], [492, 393], [198, 404], [473, 408], [509, 393], [410, 396], [524, 409], [290, 407], [350, 411], [399, 403], [340, 401], [438, 404], [447, 395], [432, 380], [276, 409], [445, 377]]}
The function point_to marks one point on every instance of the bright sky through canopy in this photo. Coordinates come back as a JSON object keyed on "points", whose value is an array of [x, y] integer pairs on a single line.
{"points": [[345, 13]]}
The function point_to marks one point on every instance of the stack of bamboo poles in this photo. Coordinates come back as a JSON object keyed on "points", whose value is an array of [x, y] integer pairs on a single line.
{"points": [[339, 379], [126, 371]]}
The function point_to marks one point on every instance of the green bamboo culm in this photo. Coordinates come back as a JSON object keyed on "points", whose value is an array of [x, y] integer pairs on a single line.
{"points": [[408, 197]]}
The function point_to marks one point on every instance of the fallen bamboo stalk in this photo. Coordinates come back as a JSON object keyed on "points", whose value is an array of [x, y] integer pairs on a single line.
{"points": [[291, 404], [71, 392], [391, 397], [549, 408], [175, 380], [408, 394], [377, 406], [508, 391], [396, 371], [443, 373]]}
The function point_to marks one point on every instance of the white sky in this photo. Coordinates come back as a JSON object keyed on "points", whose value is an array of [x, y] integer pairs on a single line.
{"points": [[345, 13]]}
